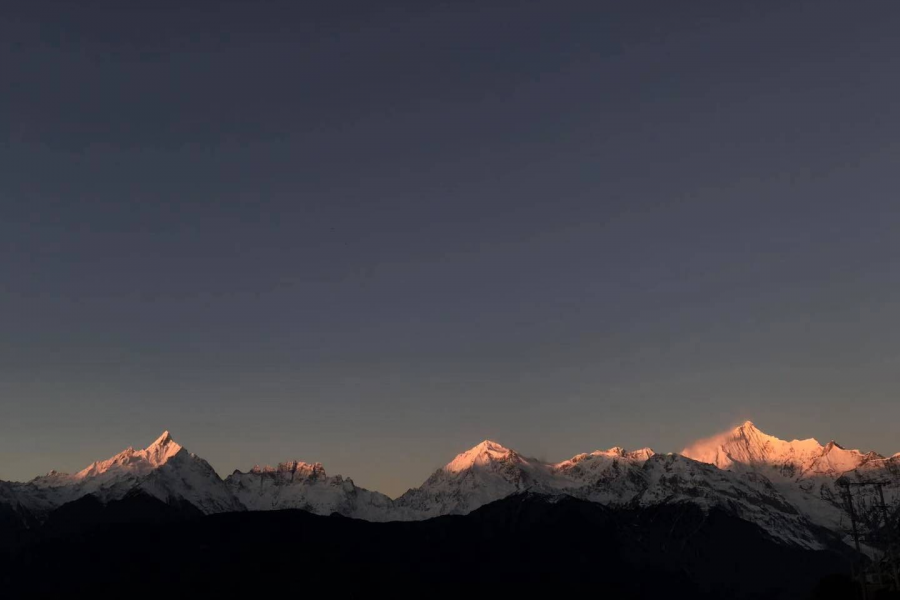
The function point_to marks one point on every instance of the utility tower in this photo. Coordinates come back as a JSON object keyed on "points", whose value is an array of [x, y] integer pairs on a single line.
{"points": [[873, 526]]}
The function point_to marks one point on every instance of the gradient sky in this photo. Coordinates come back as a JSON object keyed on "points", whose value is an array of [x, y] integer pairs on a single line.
{"points": [[373, 234]]}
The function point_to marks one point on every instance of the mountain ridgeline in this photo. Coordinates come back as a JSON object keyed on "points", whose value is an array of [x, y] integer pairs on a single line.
{"points": [[736, 501]]}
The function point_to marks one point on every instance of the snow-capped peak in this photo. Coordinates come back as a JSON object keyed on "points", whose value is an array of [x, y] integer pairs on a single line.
{"points": [[138, 461], [478, 456], [747, 447], [291, 468], [163, 440], [618, 451], [298, 484], [162, 449], [164, 470], [614, 451], [482, 474]]}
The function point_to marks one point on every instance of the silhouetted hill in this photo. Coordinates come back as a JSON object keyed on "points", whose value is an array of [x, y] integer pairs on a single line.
{"points": [[516, 545]]}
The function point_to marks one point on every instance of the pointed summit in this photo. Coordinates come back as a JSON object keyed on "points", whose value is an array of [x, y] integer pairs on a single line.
{"points": [[746, 447], [484, 453], [746, 430], [161, 450], [162, 440], [491, 446], [482, 474]]}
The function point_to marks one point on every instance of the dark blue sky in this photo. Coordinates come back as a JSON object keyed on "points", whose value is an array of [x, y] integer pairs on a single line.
{"points": [[373, 234]]}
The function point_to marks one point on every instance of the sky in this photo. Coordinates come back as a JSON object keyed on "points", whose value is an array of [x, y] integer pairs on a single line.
{"points": [[375, 234]]}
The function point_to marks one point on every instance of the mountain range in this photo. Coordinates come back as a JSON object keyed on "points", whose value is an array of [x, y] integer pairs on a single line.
{"points": [[787, 489]]}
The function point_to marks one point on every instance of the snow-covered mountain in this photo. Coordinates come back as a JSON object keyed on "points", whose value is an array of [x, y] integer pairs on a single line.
{"points": [[613, 477], [675, 479], [804, 471], [480, 475], [489, 471], [600, 476], [789, 489], [746, 447], [306, 486], [164, 470]]}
